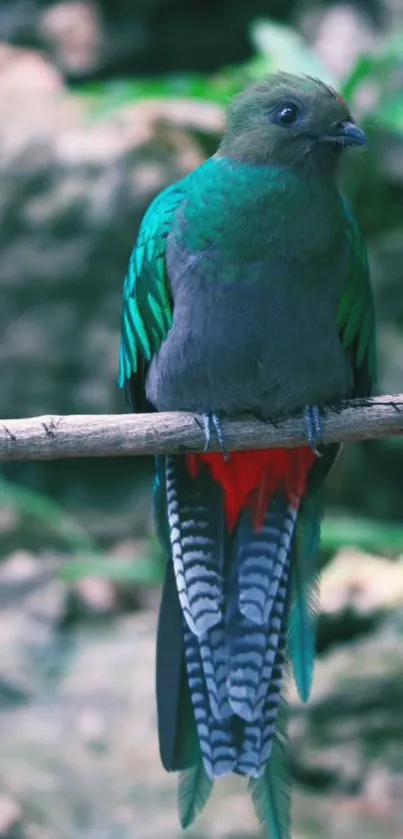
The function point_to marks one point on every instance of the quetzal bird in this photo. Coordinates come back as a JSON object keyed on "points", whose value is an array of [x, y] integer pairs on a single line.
{"points": [[247, 291]]}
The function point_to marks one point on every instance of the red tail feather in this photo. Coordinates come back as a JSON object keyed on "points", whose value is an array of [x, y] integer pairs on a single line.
{"points": [[252, 478]]}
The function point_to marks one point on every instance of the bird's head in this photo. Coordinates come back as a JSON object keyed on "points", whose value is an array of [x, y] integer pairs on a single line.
{"points": [[292, 121]]}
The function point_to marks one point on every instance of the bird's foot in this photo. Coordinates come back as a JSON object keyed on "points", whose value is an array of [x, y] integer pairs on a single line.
{"points": [[211, 425], [314, 428]]}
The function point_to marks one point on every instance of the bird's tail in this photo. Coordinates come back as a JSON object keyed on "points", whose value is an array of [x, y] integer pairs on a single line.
{"points": [[221, 650]]}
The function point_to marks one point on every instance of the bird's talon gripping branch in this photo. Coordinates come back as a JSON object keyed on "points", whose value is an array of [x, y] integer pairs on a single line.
{"points": [[314, 428], [212, 423]]}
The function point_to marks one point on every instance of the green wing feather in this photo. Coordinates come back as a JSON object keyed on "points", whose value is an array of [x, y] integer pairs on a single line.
{"points": [[356, 323], [356, 315], [146, 320], [305, 604], [147, 304], [271, 793]]}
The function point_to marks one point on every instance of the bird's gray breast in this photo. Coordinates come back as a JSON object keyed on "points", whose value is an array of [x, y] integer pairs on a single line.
{"points": [[250, 335]]}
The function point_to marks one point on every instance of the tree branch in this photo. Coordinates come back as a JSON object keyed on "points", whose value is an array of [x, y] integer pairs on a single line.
{"points": [[54, 437]]}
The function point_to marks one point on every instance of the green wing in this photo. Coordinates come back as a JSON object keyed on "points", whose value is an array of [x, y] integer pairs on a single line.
{"points": [[147, 303], [356, 316], [356, 323]]}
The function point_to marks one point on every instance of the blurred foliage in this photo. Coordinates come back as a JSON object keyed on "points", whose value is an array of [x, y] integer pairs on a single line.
{"points": [[49, 515], [148, 571], [278, 47]]}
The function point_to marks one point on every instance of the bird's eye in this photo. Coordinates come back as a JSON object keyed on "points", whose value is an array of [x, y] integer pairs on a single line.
{"points": [[287, 114]]}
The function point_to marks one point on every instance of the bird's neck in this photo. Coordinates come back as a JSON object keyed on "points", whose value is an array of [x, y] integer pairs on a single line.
{"points": [[288, 205]]}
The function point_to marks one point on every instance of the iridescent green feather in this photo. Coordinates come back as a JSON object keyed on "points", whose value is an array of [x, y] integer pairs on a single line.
{"points": [[147, 305], [194, 791], [356, 322], [271, 793], [305, 603], [356, 316]]}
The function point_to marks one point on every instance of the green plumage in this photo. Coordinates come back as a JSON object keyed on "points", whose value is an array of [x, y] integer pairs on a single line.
{"points": [[147, 298], [147, 304], [305, 606], [271, 793], [355, 315], [194, 790]]}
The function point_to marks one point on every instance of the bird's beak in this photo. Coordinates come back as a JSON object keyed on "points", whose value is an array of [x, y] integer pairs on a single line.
{"points": [[345, 134]]}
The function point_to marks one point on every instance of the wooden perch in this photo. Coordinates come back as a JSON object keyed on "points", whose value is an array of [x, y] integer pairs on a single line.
{"points": [[54, 437]]}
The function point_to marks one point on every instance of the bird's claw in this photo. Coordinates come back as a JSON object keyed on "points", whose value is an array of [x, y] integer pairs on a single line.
{"points": [[314, 428], [211, 424]]}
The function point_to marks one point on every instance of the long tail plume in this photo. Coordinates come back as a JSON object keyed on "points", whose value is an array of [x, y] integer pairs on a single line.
{"points": [[236, 582], [234, 666], [271, 793], [194, 790], [305, 588]]}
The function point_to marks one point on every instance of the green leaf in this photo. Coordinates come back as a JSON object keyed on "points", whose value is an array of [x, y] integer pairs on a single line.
{"points": [[284, 49], [375, 69], [52, 515], [362, 70], [142, 572], [390, 114], [368, 535]]}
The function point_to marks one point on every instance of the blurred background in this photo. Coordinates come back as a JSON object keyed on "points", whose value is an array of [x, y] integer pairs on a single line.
{"points": [[102, 105]]}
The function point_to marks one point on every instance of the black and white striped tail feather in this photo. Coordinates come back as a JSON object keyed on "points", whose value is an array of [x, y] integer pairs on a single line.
{"points": [[195, 537], [253, 647], [262, 556], [275, 639], [259, 735], [215, 660], [242, 637], [247, 653], [215, 737], [196, 516]]}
